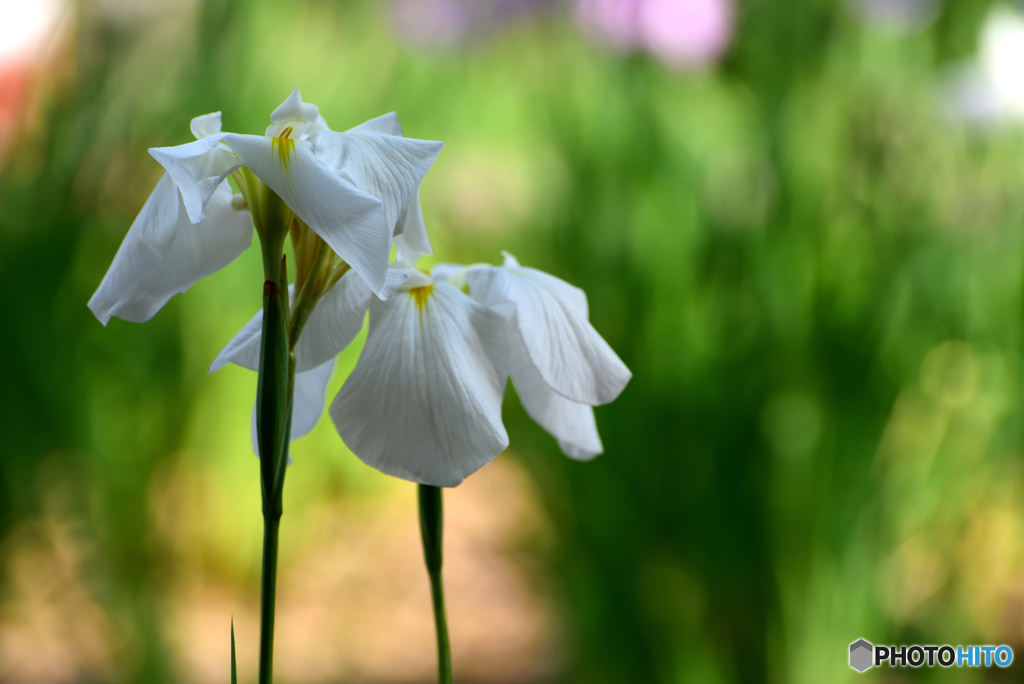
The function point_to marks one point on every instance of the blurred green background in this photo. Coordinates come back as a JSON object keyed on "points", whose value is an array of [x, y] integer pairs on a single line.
{"points": [[812, 268]]}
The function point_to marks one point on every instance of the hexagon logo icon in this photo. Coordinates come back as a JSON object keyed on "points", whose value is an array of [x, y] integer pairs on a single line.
{"points": [[861, 653]]}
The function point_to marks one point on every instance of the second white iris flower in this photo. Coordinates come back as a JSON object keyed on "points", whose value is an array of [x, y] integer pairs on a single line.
{"points": [[424, 400]]}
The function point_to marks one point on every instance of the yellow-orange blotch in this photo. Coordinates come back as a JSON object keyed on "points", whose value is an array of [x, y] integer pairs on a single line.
{"points": [[284, 146], [420, 295]]}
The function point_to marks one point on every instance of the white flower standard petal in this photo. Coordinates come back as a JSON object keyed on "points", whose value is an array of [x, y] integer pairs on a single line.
{"points": [[299, 118], [163, 253], [294, 109], [205, 125], [551, 321], [424, 401], [349, 220], [308, 406]]}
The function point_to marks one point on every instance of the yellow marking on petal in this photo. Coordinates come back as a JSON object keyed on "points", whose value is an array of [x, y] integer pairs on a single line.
{"points": [[420, 295], [284, 146]]}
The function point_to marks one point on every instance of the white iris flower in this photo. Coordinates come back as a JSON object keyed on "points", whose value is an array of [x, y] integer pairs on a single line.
{"points": [[354, 190], [424, 400]]}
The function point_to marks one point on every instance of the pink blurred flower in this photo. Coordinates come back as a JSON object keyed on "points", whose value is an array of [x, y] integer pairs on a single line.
{"points": [[681, 33], [614, 21], [446, 23], [686, 33]]}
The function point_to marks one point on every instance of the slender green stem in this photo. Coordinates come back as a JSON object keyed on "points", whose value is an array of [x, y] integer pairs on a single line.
{"points": [[268, 590], [275, 389], [432, 532]]}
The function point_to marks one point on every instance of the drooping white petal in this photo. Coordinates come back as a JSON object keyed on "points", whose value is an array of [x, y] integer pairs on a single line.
{"points": [[349, 220], [308, 406], [570, 295], [244, 348], [334, 323], [388, 167], [424, 401], [206, 125], [568, 353], [198, 168], [413, 230], [571, 423], [163, 253], [386, 124]]}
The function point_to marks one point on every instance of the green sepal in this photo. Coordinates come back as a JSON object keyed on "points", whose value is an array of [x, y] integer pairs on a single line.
{"points": [[272, 388], [234, 663]]}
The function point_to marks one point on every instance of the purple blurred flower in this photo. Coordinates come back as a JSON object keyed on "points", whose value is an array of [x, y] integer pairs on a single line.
{"points": [[681, 33], [432, 23], [443, 23]]}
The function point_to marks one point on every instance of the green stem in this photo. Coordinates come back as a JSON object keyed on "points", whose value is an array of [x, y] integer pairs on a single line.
{"points": [[275, 389], [268, 590], [432, 532]]}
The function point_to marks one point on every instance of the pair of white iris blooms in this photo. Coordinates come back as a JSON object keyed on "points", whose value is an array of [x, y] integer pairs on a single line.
{"points": [[424, 401]]}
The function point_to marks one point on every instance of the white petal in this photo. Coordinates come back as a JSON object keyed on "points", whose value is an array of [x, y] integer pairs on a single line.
{"points": [[572, 424], [198, 168], [388, 167], [310, 388], [206, 125], [570, 355], [395, 279], [970, 97], [570, 295], [244, 348], [449, 273], [163, 253], [386, 124], [413, 231], [349, 220], [294, 109], [334, 323], [424, 401]]}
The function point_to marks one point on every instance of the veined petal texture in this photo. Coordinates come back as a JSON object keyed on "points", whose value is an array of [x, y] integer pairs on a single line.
{"points": [[163, 253], [308, 406], [552, 323], [424, 401], [413, 230], [198, 168], [388, 167], [334, 323], [351, 221], [571, 423]]}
